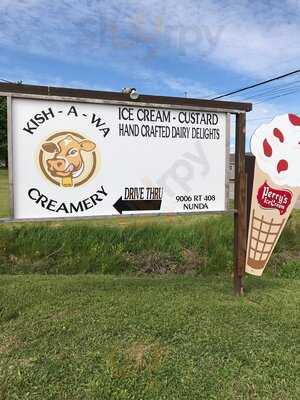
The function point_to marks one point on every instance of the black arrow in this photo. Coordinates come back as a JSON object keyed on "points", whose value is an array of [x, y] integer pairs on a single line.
{"points": [[136, 205]]}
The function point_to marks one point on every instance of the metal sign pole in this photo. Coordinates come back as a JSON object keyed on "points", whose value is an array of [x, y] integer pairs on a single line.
{"points": [[240, 218]]}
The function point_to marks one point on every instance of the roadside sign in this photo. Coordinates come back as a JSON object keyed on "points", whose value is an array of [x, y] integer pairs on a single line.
{"points": [[74, 159], [76, 153]]}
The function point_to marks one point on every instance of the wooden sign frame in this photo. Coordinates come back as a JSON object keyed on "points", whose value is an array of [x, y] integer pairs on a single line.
{"points": [[239, 110]]}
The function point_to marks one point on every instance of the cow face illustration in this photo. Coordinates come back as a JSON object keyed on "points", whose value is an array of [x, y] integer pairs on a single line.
{"points": [[67, 161]]}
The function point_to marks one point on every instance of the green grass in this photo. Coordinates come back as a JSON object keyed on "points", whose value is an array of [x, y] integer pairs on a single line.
{"points": [[191, 246], [4, 196], [81, 248], [135, 336], [104, 337]]}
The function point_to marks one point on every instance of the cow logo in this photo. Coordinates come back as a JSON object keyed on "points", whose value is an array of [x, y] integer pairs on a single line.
{"points": [[68, 159]]}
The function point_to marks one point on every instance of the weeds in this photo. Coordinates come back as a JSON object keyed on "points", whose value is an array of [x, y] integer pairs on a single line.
{"points": [[202, 246]]}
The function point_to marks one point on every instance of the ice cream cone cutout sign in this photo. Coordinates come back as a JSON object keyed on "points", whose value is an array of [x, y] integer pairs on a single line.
{"points": [[276, 187]]}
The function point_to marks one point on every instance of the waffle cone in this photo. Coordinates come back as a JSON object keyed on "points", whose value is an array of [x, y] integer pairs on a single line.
{"points": [[265, 225]]}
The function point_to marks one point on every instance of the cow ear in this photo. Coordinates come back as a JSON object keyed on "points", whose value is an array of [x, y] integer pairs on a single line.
{"points": [[87, 145], [50, 147]]}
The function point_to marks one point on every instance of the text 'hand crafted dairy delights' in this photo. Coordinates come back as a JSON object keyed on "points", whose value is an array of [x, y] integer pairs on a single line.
{"points": [[276, 186]]}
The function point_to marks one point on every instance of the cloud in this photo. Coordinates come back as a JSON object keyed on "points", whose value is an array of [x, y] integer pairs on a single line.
{"points": [[251, 39], [187, 87], [15, 73], [247, 37]]}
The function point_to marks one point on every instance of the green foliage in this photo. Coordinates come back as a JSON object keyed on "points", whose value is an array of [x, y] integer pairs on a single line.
{"points": [[202, 246], [290, 269], [4, 193], [191, 245], [195, 245], [125, 338], [3, 130]]}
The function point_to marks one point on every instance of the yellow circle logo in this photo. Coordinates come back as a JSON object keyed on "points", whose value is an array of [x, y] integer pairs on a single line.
{"points": [[68, 159]]}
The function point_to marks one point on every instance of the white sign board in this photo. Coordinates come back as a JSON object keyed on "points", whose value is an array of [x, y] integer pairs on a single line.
{"points": [[79, 159]]}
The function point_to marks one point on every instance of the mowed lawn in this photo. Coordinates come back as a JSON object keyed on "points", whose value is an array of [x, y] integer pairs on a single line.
{"points": [[133, 336], [103, 337], [4, 193]]}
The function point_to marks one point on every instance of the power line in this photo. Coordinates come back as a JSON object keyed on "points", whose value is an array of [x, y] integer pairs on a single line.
{"points": [[263, 94], [273, 94], [278, 95], [256, 85]]}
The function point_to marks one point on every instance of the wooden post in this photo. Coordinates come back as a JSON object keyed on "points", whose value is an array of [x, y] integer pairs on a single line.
{"points": [[240, 217]]}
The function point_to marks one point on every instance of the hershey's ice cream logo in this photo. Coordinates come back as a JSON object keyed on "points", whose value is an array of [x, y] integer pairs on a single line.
{"points": [[268, 197]]}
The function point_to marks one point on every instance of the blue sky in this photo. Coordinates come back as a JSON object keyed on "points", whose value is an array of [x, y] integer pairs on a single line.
{"points": [[203, 47]]}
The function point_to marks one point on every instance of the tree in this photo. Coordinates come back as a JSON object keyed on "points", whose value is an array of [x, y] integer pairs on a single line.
{"points": [[3, 131]]}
